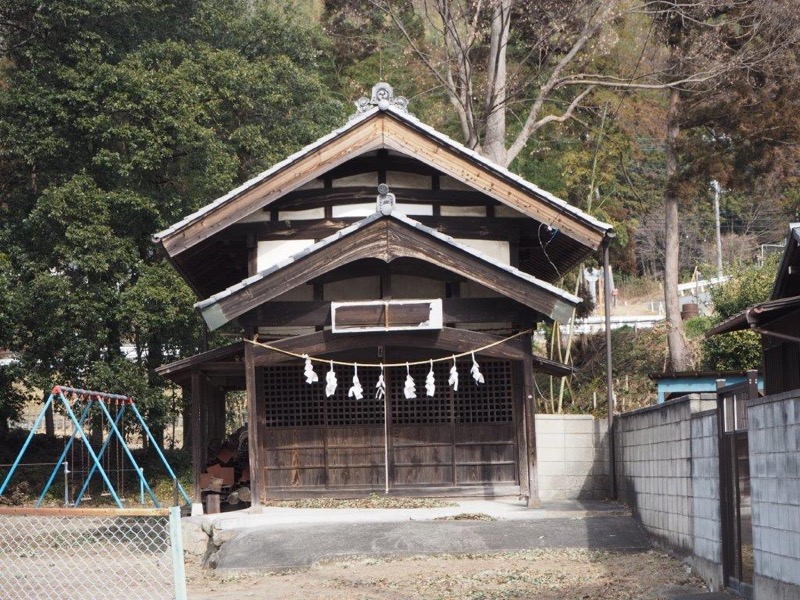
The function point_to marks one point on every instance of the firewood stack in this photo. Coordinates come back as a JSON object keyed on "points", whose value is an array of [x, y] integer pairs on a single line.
{"points": [[227, 471]]}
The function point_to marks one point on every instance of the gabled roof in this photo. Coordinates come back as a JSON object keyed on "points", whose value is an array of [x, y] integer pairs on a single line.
{"points": [[392, 129], [387, 238], [783, 287], [785, 297]]}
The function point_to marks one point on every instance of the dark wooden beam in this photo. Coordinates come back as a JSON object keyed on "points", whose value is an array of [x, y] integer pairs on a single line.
{"points": [[446, 340], [459, 227], [520, 428], [198, 429], [314, 198], [463, 310], [256, 426], [529, 398]]}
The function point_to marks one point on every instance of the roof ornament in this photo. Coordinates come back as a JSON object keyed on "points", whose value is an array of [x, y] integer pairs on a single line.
{"points": [[386, 200], [383, 97]]}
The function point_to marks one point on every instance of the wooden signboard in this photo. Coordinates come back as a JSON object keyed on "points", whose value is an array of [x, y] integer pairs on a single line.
{"points": [[386, 315]]}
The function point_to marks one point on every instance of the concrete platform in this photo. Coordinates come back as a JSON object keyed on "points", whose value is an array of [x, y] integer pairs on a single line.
{"points": [[280, 538], [511, 509]]}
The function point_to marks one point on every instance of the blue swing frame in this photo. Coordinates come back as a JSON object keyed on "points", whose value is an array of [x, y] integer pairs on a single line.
{"points": [[59, 393]]}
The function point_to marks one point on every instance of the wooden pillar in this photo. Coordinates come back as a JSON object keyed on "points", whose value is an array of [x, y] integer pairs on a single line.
{"points": [[198, 432], [529, 405], [520, 428], [256, 426], [217, 423]]}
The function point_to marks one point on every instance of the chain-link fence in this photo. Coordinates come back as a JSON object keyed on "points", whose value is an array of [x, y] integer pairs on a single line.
{"points": [[90, 553]]}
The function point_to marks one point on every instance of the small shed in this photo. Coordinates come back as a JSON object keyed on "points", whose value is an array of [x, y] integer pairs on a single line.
{"points": [[681, 383]]}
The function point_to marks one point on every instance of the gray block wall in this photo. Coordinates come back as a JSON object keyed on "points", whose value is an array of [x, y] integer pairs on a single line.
{"points": [[572, 454], [654, 468], [668, 473], [706, 518], [705, 486], [774, 445]]}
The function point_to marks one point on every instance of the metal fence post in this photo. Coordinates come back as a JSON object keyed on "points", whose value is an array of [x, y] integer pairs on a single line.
{"points": [[176, 542]]}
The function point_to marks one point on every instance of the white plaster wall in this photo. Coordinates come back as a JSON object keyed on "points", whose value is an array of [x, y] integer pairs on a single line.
{"points": [[496, 249], [301, 215], [408, 180], [463, 211], [273, 251]]}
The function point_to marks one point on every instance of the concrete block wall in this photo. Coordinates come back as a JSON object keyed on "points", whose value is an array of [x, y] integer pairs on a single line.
{"points": [[654, 467], [706, 519], [774, 446], [572, 453]]}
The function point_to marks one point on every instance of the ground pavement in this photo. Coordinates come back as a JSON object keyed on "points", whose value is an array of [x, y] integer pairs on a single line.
{"points": [[281, 538]]}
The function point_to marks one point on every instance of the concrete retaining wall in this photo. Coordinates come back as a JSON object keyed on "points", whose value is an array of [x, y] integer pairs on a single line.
{"points": [[774, 443], [572, 452]]}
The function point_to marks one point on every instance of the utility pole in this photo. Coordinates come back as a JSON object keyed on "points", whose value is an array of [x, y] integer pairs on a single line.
{"points": [[717, 191]]}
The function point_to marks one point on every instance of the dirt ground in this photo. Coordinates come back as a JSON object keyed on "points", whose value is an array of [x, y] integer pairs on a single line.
{"points": [[539, 574]]}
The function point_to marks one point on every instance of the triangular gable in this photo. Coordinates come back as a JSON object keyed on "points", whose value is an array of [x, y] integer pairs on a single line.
{"points": [[782, 287], [391, 129], [386, 238]]}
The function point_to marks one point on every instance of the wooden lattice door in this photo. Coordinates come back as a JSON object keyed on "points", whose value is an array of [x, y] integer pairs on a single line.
{"points": [[462, 438]]}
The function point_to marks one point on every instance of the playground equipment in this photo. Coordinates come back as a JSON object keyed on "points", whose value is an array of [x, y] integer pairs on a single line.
{"points": [[84, 401]]}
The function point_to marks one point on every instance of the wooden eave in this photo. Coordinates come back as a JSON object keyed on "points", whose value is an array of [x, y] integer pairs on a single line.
{"points": [[787, 284], [446, 340], [223, 366], [386, 238], [389, 129]]}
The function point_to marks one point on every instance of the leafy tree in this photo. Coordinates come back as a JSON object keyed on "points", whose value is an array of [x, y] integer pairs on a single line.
{"points": [[739, 350], [118, 118]]}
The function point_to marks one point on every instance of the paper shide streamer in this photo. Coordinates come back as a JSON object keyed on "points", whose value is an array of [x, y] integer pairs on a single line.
{"points": [[410, 389], [380, 387], [475, 371], [453, 380], [330, 382], [356, 390], [430, 382], [308, 372]]}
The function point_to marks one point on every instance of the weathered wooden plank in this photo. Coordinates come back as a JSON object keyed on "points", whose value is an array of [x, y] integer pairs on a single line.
{"points": [[520, 435], [408, 243], [446, 339], [198, 432], [363, 138], [256, 427], [303, 199], [459, 227], [387, 240], [529, 398], [400, 137], [365, 243]]}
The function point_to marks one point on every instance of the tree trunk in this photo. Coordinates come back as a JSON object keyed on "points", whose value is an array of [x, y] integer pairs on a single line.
{"points": [[676, 337], [494, 146]]}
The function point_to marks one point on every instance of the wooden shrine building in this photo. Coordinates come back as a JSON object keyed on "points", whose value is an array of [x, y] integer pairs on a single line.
{"points": [[384, 242]]}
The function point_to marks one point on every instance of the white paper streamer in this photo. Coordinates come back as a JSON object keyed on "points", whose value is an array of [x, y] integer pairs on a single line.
{"points": [[380, 387], [453, 380], [330, 382], [475, 371], [430, 382], [308, 372], [356, 390], [410, 389]]}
